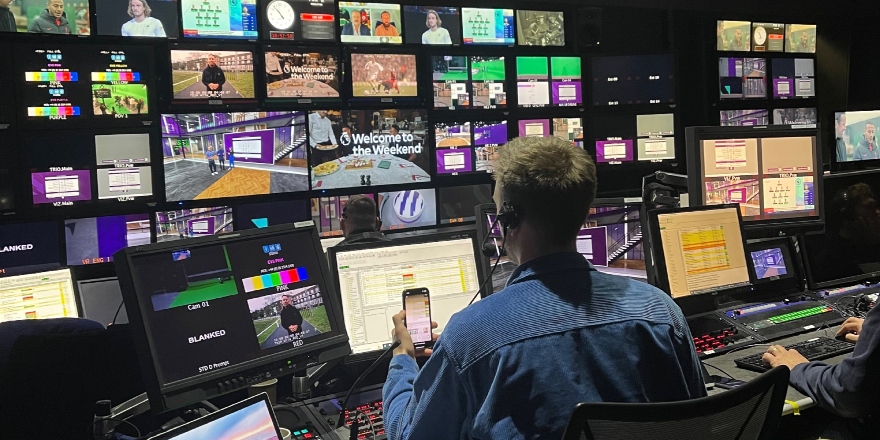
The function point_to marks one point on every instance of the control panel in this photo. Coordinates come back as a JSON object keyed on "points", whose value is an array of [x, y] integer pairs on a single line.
{"points": [[784, 318], [713, 334]]}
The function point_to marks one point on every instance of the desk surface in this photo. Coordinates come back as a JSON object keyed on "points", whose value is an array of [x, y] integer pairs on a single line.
{"points": [[725, 362]]}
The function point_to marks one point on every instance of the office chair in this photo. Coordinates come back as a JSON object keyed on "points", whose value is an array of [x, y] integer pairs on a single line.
{"points": [[748, 412]]}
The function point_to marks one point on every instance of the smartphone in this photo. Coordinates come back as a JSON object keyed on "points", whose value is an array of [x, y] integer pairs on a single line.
{"points": [[728, 383], [417, 304]]}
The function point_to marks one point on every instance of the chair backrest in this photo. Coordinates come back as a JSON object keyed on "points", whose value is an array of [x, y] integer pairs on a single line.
{"points": [[748, 412]]}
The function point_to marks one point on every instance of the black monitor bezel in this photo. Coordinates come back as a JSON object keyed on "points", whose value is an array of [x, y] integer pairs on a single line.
{"points": [[791, 282], [382, 101]]}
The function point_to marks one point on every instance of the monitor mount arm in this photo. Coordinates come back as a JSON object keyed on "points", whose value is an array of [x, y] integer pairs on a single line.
{"points": [[304, 380], [659, 190]]}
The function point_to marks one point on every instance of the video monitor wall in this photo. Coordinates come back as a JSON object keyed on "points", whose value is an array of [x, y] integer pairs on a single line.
{"points": [[327, 211], [362, 148], [738, 118], [540, 28], [220, 155], [361, 22], [768, 37], [795, 116], [382, 75], [55, 17], [742, 78], [434, 25], [138, 18], [734, 36], [263, 215], [856, 136], [800, 38], [302, 75], [212, 75], [195, 222], [628, 80], [456, 204], [487, 26], [407, 209], [793, 78], [299, 20], [461, 81], [219, 19], [95, 240], [29, 247], [640, 138]]}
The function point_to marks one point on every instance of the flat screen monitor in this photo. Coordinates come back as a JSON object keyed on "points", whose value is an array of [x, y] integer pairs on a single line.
{"points": [[772, 172], [299, 20], [848, 251], [733, 36], [488, 78], [101, 301], [740, 118], [570, 129], [361, 22], [263, 215], [327, 243], [795, 116], [768, 37], [372, 278], [42, 295], [29, 247], [251, 419], [489, 137], [214, 315], [363, 148], [207, 74], [227, 20], [384, 77], [455, 148], [633, 80], [855, 134], [456, 204], [434, 25], [408, 209], [771, 260], [533, 81], [487, 26], [793, 78], [699, 250], [220, 155], [68, 18], [450, 76], [534, 128], [540, 28], [565, 84], [327, 211], [191, 223], [138, 18], [800, 38], [742, 78], [303, 76], [94, 240]]}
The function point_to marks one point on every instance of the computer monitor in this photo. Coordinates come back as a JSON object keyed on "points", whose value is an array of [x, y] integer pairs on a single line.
{"points": [[801, 38], [733, 36], [487, 26], [540, 28], [228, 71], [739, 118], [699, 250], [773, 263], [768, 37], [29, 247], [250, 419], [456, 204], [793, 78], [855, 134], [742, 78], [795, 116], [101, 300], [384, 77], [772, 172], [633, 80], [361, 22], [41, 295], [848, 251], [302, 75], [327, 213], [299, 20], [194, 222], [372, 277], [435, 25], [94, 240], [117, 19], [408, 209], [216, 314]]}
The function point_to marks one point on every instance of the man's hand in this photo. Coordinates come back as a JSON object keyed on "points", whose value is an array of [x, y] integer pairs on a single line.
{"points": [[851, 329], [293, 328], [400, 333], [212, 86], [777, 355]]}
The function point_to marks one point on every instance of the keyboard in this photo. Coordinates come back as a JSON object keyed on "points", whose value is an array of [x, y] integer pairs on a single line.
{"points": [[815, 349]]}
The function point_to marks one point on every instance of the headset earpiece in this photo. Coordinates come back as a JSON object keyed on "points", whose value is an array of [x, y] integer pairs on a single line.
{"points": [[507, 217]]}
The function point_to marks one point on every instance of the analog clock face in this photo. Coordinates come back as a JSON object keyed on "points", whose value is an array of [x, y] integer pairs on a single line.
{"points": [[760, 35], [280, 14]]}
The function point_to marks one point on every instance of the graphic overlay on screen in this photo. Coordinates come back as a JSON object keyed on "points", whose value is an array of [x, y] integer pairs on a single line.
{"points": [[296, 75], [299, 20], [570, 129], [370, 23], [432, 25], [407, 209], [532, 81], [768, 37], [450, 77], [540, 28], [195, 222], [655, 137], [326, 212], [365, 148], [60, 175], [793, 78], [123, 166], [219, 19], [42, 295], [856, 136], [454, 148], [534, 127], [703, 251], [57, 17], [95, 240], [626, 80], [29, 247], [203, 74], [489, 137], [456, 204], [625, 139], [742, 78], [734, 36], [138, 18], [769, 263], [253, 422], [378, 75], [743, 118], [217, 155], [770, 178], [487, 82], [795, 116], [487, 26], [263, 215], [800, 38], [565, 73]]}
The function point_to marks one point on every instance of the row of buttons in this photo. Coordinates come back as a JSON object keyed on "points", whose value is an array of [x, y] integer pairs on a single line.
{"points": [[714, 340]]}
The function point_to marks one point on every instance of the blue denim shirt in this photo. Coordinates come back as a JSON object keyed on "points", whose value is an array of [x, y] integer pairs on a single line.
{"points": [[515, 364]]}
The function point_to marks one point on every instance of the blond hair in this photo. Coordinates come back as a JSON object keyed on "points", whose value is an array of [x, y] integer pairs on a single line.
{"points": [[147, 9]]}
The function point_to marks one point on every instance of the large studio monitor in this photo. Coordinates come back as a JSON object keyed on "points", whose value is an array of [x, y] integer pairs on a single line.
{"points": [[216, 314]]}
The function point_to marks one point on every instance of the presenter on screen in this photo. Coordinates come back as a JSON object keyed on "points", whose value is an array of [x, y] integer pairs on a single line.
{"points": [[321, 134], [803, 46], [840, 128], [360, 222], [52, 20], [213, 77], [354, 27], [435, 34], [386, 29], [7, 18], [867, 148], [141, 24], [737, 43], [291, 319]]}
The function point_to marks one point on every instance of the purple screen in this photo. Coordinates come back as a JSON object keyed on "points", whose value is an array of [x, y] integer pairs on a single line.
{"points": [[201, 226], [789, 93], [614, 153], [490, 134], [592, 243], [527, 125], [457, 160], [568, 98], [266, 138], [61, 189]]}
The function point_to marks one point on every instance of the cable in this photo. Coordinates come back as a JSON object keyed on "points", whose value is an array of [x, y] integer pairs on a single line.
{"points": [[489, 276], [360, 378], [121, 303], [722, 371], [112, 419], [369, 420]]}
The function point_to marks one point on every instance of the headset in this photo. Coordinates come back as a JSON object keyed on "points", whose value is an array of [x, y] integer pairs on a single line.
{"points": [[508, 218]]}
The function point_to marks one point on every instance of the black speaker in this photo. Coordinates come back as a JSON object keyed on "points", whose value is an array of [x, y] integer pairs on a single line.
{"points": [[588, 28]]}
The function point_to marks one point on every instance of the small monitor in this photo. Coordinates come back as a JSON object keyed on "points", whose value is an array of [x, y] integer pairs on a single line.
{"points": [[191, 223], [801, 38], [327, 243], [384, 77], [540, 28], [565, 75], [454, 146], [302, 76], [101, 301], [263, 215], [327, 211], [489, 137], [570, 129], [407, 209], [227, 20], [487, 26], [41, 295], [33, 16], [203, 74], [699, 250], [488, 78], [734, 36], [433, 25], [743, 118], [361, 22], [372, 278], [251, 419], [214, 315], [742, 78], [771, 260], [29, 247], [138, 18], [450, 76], [533, 81], [793, 78], [795, 116], [768, 37], [534, 128], [95, 240], [456, 204], [855, 134], [633, 80], [299, 20]]}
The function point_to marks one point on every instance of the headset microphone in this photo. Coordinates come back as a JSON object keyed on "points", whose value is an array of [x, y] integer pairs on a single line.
{"points": [[487, 248]]}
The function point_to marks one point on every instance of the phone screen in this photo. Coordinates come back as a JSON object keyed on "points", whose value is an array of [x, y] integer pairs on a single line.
{"points": [[418, 315]]}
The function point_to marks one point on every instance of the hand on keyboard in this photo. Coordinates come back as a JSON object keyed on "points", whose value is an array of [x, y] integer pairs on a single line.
{"points": [[850, 329], [777, 355]]}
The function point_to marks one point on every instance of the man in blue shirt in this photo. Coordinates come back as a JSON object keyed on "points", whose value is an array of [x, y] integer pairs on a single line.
{"points": [[515, 364]]}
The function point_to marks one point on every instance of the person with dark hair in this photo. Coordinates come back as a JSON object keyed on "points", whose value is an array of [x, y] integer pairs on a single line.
{"points": [[213, 77], [516, 363], [435, 34], [867, 148], [52, 20], [141, 23], [7, 18], [360, 222], [840, 128], [291, 318]]}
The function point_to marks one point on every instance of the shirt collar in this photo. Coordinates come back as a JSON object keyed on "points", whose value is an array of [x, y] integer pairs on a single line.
{"points": [[557, 262]]}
